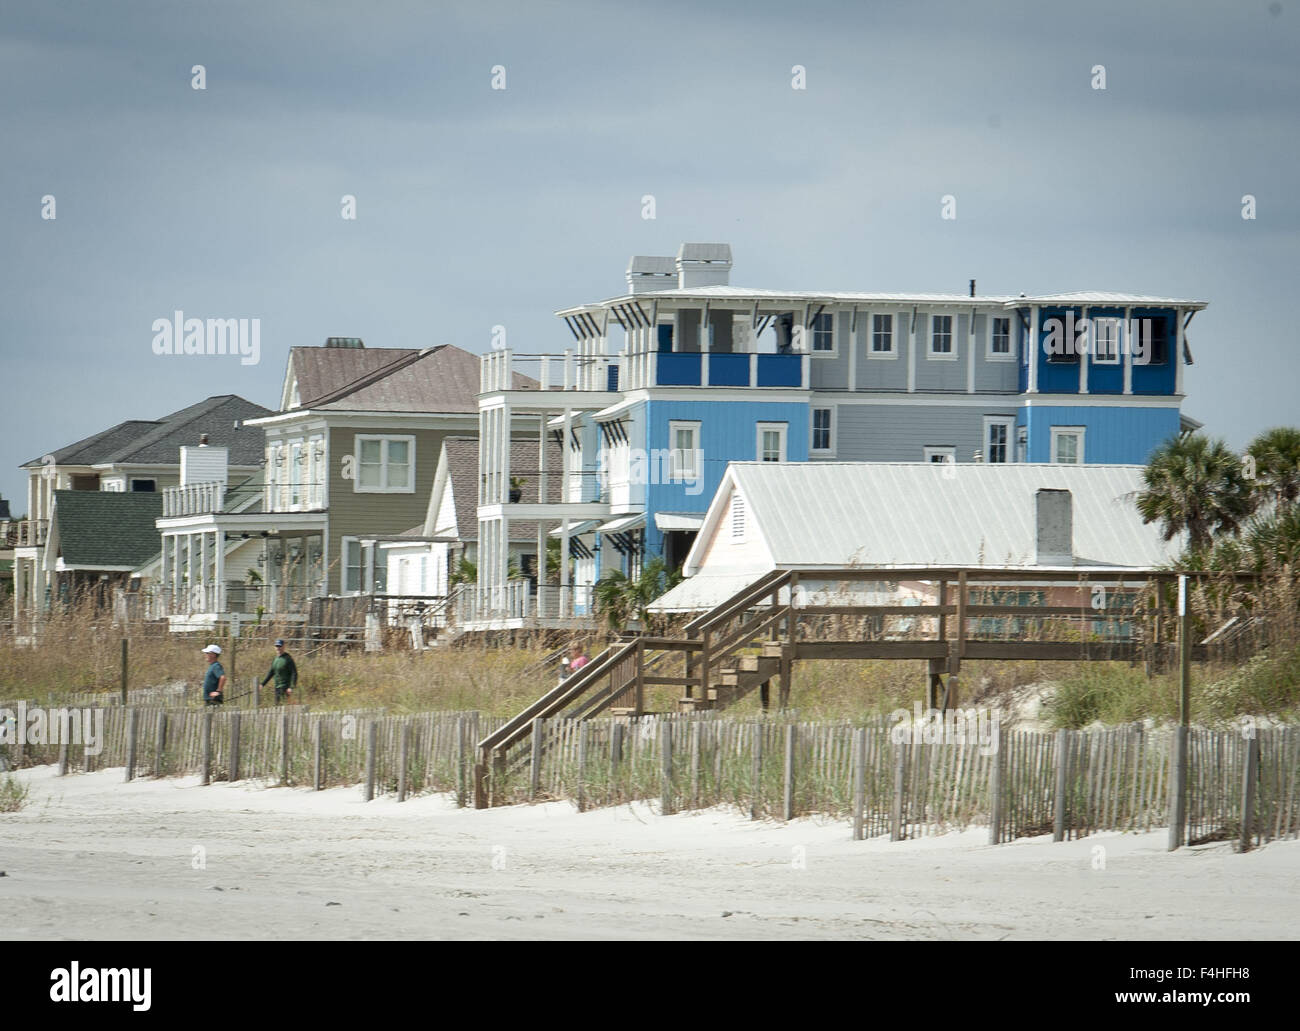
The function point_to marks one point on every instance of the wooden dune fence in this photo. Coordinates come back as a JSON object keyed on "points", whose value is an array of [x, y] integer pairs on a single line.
{"points": [[1068, 783]]}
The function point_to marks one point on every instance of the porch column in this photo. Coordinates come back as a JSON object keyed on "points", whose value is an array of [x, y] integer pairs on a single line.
{"points": [[1178, 351], [189, 571], [566, 590], [20, 586], [1128, 351], [219, 572], [541, 567], [163, 573], [704, 345], [1083, 358], [1034, 344], [204, 562]]}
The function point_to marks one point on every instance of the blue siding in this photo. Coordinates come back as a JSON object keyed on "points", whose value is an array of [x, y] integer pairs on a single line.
{"points": [[1114, 435], [728, 370], [780, 370], [678, 370], [1156, 379], [1054, 377], [728, 433]]}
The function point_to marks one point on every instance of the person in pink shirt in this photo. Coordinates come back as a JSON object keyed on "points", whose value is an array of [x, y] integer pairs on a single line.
{"points": [[577, 659]]}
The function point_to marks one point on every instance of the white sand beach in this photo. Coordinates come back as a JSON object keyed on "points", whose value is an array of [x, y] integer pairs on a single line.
{"points": [[92, 857]]}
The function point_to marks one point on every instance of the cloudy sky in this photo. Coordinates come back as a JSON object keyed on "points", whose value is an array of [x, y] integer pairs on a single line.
{"points": [[478, 207]]}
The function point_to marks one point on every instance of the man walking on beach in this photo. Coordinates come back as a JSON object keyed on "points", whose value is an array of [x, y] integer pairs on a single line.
{"points": [[214, 681], [285, 672]]}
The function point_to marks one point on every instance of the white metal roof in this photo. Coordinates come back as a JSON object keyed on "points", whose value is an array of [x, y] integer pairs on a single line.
{"points": [[1104, 297], [799, 297], [836, 514]]}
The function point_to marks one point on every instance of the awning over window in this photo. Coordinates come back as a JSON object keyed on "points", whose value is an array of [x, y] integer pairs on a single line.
{"points": [[679, 520], [624, 523], [577, 529]]}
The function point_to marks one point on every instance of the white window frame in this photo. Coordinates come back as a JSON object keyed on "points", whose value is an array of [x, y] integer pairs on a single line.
{"points": [[1059, 432], [893, 337], [344, 544], [678, 470], [1009, 421], [942, 356], [780, 428], [834, 349], [384, 438], [1009, 355], [812, 430], [316, 471], [1113, 323], [944, 453]]}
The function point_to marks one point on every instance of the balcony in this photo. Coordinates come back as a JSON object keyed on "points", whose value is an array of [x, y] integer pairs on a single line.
{"points": [[193, 499], [693, 369], [25, 533]]}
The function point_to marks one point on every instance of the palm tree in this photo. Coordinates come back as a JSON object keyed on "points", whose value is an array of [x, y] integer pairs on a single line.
{"points": [[1277, 463], [1195, 485], [623, 598]]}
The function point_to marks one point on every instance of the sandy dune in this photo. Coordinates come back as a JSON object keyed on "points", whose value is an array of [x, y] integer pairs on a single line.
{"points": [[92, 857]]}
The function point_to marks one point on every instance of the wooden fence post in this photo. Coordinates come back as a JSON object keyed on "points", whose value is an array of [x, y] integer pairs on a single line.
{"points": [[131, 733], [234, 746], [695, 763], [372, 740], [666, 750], [206, 776], [535, 762], [582, 766], [1062, 779], [404, 758], [124, 671], [900, 777], [284, 749], [995, 795], [859, 782], [1249, 775], [316, 767], [65, 732], [756, 774], [160, 744], [460, 761], [1178, 787], [788, 800]]}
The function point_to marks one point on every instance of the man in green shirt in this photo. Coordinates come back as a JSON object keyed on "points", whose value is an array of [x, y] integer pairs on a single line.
{"points": [[285, 673]]}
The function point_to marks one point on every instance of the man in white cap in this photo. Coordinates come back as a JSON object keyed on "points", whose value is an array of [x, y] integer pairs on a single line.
{"points": [[214, 683]]}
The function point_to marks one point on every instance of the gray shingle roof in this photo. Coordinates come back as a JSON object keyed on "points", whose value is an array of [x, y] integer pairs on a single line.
{"points": [[158, 441], [106, 528]]}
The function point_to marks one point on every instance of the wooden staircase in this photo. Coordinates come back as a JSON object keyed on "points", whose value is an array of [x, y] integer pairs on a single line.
{"points": [[733, 682]]}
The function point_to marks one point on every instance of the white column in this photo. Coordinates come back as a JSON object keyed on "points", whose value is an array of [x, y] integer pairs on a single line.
{"points": [[1128, 352], [1083, 358], [855, 341], [189, 572], [704, 346], [1033, 351], [911, 353], [566, 590], [970, 358], [219, 570], [1178, 350], [163, 572]]}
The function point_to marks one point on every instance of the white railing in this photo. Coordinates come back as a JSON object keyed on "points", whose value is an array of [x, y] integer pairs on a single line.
{"points": [[193, 499], [519, 600], [565, 371]]}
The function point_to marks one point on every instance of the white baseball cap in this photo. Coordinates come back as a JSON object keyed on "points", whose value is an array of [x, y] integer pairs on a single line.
{"points": [[215, 649]]}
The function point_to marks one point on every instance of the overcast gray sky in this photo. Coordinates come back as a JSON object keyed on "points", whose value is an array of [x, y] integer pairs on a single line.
{"points": [[479, 207]]}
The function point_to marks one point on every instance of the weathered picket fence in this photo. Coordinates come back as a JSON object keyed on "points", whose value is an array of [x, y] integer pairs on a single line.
{"points": [[1067, 783]]}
